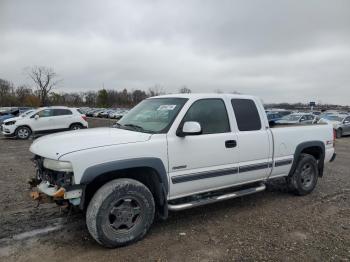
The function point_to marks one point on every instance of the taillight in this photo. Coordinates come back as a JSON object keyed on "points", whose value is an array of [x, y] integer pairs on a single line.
{"points": [[84, 117], [334, 137]]}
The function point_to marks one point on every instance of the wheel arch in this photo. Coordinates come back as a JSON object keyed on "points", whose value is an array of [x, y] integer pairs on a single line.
{"points": [[76, 123], [149, 171], [24, 125], [316, 149]]}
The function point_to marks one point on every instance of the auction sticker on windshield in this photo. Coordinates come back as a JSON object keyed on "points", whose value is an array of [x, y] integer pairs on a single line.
{"points": [[166, 107]]}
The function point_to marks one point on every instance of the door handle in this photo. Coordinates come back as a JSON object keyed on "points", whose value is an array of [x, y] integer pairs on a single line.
{"points": [[230, 143]]}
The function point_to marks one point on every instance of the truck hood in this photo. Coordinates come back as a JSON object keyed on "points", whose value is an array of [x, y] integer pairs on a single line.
{"points": [[56, 145]]}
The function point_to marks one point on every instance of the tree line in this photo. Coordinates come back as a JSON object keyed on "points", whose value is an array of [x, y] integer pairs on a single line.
{"points": [[42, 92]]}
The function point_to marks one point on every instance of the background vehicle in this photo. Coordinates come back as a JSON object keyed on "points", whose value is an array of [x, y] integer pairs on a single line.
{"points": [[118, 114], [175, 152], [273, 116], [340, 123], [297, 118], [98, 112], [9, 114], [44, 120]]}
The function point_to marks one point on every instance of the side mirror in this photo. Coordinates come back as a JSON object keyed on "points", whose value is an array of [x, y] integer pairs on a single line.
{"points": [[36, 117], [189, 128]]}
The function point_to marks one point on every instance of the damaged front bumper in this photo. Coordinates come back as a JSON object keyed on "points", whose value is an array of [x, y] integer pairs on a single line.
{"points": [[54, 186], [59, 195]]}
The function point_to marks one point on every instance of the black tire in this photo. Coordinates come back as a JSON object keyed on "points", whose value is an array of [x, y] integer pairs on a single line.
{"points": [[339, 133], [305, 176], [23, 132], [120, 213], [75, 126]]}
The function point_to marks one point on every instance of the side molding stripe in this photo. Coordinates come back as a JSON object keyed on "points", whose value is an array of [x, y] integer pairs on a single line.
{"points": [[254, 167], [221, 172], [283, 162], [203, 175]]}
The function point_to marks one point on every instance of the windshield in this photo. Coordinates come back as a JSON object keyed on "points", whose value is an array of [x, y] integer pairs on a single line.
{"points": [[334, 118], [153, 115], [26, 113], [292, 117]]}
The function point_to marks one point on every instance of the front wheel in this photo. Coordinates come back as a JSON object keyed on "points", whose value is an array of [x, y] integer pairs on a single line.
{"points": [[305, 176], [75, 127], [23, 132], [120, 213]]}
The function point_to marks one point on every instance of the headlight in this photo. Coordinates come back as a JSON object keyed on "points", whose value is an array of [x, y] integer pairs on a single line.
{"points": [[56, 165], [10, 123]]}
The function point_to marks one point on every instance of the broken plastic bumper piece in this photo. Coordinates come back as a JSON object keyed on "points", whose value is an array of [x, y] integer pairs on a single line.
{"points": [[57, 193]]}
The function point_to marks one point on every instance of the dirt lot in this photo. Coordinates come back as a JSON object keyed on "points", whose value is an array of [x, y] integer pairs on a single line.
{"points": [[273, 225]]}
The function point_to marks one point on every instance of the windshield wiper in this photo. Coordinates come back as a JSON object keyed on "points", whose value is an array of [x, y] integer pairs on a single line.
{"points": [[134, 126], [139, 128], [117, 125]]}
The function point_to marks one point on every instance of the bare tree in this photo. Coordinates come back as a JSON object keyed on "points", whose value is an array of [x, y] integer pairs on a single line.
{"points": [[156, 90], [185, 90], [45, 80]]}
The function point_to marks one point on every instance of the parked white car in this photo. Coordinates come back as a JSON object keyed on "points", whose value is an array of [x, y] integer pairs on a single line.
{"points": [[44, 120]]}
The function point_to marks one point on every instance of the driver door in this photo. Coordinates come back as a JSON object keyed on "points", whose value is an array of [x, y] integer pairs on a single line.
{"points": [[205, 161]]}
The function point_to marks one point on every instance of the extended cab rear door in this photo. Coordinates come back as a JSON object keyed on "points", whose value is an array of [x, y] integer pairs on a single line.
{"points": [[254, 140]]}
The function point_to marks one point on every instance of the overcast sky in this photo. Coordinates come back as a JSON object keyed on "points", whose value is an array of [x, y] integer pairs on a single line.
{"points": [[278, 50]]}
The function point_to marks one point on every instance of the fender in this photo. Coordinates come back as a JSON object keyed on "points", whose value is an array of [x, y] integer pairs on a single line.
{"points": [[94, 171], [304, 146]]}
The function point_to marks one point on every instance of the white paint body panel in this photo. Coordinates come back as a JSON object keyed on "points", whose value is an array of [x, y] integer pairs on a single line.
{"points": [[195, 154]]}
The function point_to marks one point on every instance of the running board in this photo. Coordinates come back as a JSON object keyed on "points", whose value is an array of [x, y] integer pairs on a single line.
{"points": [[214, 199]]}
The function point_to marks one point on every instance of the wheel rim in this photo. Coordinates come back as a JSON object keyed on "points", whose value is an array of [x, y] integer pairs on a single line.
{"points": [[307, 175], [125, 214], [23, 133], [75, 127]]}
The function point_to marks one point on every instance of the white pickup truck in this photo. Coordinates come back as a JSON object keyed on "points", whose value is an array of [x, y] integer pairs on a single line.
{"points": [[175, 152]]}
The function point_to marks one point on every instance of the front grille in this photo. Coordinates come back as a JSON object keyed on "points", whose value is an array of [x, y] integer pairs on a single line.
{"points": [[55, 178]]}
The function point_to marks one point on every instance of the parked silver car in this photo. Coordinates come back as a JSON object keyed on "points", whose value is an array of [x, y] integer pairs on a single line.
{"points": [[340, 122], [297, 118]]}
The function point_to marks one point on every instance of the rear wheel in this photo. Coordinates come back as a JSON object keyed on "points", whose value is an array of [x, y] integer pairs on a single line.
{"points": [[75, 127], [23, 132], [120, 213], [339, 133], [304, 179]]}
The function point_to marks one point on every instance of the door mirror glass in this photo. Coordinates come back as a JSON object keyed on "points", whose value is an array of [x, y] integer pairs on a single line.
{"points": [[191, 128], [36, 117]]}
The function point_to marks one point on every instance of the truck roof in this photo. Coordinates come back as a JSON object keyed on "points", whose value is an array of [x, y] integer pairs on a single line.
{"points": [[205, 95]]}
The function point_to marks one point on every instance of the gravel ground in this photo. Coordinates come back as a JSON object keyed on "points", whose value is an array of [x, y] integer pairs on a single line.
{"points": [[272, 225]]}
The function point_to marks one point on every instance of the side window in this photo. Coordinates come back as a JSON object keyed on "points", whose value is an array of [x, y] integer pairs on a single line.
{"points": [[347, 119], [62, 112], [45, 113], [247, 115], [211, 114]]}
